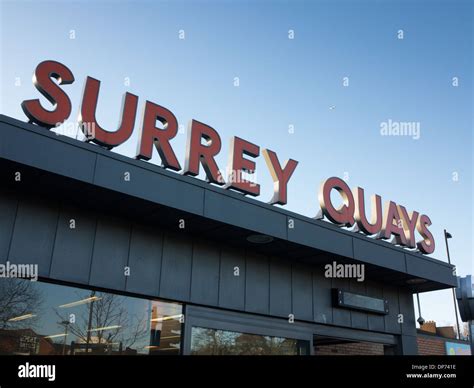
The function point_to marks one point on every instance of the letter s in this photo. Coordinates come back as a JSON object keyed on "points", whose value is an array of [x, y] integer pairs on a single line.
{"points": [[42, 79], [427, 245]]}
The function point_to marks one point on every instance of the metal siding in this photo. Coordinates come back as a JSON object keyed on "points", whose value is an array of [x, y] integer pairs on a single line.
{"points": [[280, 288], [359, 319], [376, 322], [319, 237], [144, 260], [341, 316], [425, 268], [176, 267], [322, 299], [391, 320], [222, 207], [145, 184], [72, 254], [302, 293], [43, 151], [8, 208], [406, 308], [205, 274], [257, 284], [231, 287], [372, 252], [33, 235], [110, 255]]}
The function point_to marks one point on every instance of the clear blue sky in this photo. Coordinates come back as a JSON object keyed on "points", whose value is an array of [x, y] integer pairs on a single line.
{"points": [[283, 82]]}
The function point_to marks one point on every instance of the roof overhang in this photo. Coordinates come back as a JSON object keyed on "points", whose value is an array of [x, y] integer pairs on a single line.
{"points": [[89, 176]]}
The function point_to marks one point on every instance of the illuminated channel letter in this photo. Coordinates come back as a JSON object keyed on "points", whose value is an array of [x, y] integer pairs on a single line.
{"points": [[427, 245], [375, 224], [238, 164], [390, 224], [344, 215], [197, 153], [280, 176], [149, 134], [409, 221], [87, 117], [43, 77]]}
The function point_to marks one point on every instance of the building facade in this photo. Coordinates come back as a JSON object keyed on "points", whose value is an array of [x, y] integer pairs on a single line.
{"points": [[135, 259]]}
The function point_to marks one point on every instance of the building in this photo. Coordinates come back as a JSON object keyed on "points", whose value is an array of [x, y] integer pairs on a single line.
{"points": [[135, 259]]}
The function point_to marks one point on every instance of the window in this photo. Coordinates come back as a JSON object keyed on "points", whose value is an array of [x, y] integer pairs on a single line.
{"points": [[206, 341], [43, 318]]}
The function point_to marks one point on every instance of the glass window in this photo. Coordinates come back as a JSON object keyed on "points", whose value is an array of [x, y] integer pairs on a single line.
{"points": [[206, 341], [43, 318]]}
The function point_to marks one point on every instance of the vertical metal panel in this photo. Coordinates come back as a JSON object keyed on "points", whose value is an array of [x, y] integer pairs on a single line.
{"points": [[280, 288], [376, 322], [257, 284], [322, 300], [110, 253], [176, 267], [205, 274], [341, 317], [302, 292], [232, 287], [8, 208], [408, 345], [359, 319], [33, 235], [72, 254], [144, 260], [391, 320], [405, 299]]}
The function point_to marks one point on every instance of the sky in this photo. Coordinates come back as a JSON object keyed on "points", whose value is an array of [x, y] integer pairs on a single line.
{"points": [[319, 98]]}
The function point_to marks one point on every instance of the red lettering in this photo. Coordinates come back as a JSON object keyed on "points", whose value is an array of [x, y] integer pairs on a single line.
{"points": [[43, 80], [345, 214], [238, 164], [198, 153], [88, 122], [150, 134], [280, 176]]}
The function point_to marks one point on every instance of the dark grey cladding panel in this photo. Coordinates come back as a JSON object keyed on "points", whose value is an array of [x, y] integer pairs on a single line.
{"points": [[302, 292], [33, 235], [391, 320], [110, 255], [224, 208], [408, 311], [430, 269], [280, 288], [146, 248], [205, 274], [359, 319], [341, 316], [232, 279], [257, 284], [409, 345], [72, 254], [148, 185], [322, 298], [319, 237], [376, 322], [8, 207], [176, 267], [373, 253], [45, 150]]}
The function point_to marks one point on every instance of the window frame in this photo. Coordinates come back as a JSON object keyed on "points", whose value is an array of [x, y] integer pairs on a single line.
{"points": [[197, 316]]}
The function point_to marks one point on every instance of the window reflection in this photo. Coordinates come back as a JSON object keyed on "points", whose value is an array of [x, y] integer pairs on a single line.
{"points": [[43, 318], [206, 341]]}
